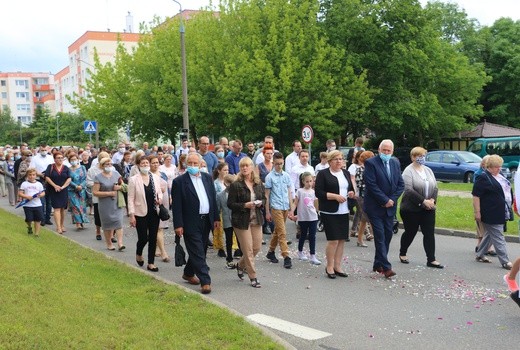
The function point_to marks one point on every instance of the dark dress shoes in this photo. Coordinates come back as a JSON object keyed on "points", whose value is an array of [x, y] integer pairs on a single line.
{"points": [[191, 279], [330, 275], [389, 273], [436, 266], [340, 274], [205, 289]]}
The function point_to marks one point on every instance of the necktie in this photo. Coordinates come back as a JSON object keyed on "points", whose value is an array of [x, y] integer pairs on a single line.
{"points": [[387, 167]]}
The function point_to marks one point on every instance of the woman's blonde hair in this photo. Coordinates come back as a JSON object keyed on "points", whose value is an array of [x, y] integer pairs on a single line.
{"points": [[253, 177], [494, 161], [334, 154], [417, 152]]}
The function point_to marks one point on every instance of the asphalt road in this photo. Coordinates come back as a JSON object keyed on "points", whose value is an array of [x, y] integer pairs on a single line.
{"points": [[464, 306]]}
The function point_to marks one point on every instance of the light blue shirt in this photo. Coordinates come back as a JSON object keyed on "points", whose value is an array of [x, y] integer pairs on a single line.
{"points": [[280, 185], [201, 193], [211, 161]]}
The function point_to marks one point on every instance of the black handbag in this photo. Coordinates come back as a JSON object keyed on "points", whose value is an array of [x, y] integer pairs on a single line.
{"points": [[164, 214]]}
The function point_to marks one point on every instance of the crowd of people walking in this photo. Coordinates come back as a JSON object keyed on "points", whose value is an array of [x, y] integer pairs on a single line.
{"points": [[237, 197]]}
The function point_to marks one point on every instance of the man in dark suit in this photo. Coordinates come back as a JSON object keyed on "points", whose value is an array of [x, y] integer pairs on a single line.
{"points": [[194, 206], [384, 184]]}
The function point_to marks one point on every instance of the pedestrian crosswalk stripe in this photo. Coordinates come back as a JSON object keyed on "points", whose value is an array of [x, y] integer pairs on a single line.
{"points": [[288, 327]]}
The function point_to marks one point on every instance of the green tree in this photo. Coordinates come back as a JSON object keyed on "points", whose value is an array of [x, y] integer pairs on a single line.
{"points": [[281, 73], [501, 56], [261, 67], [41, 129], [423, 85], [8, 128], [134, 90]]}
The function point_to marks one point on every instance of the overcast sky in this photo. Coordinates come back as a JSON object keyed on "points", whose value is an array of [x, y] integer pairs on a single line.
{"points": [[35, 35]]}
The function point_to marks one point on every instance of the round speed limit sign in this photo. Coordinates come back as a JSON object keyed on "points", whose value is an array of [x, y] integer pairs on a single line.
{"points": [[307, 134]]}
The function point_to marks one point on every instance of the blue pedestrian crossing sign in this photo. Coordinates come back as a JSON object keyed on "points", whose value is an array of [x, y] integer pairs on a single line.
{"points": [[89, 126]]}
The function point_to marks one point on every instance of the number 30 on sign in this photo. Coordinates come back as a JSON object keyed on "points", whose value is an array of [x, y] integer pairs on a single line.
{"points": [[307, 134]]}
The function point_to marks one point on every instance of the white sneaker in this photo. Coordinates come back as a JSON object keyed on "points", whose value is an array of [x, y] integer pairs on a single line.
{"points": [[315, 260], [302, 256]]}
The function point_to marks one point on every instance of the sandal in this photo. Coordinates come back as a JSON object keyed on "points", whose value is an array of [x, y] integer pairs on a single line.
{"points": [[255, 283], [240, 272], [166, 259], [482, 259], [507, 266], [369, 237]]}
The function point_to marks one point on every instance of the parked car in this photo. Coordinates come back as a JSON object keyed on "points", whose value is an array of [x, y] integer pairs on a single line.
{"points": [[453, 165]]}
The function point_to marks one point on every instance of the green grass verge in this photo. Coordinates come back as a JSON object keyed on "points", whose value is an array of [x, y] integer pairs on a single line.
{"points": [[58, 295], [455, 186]]}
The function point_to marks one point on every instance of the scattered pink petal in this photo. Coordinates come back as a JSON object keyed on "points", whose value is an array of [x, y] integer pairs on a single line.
{"points": [[469, 323], [439, 318]]}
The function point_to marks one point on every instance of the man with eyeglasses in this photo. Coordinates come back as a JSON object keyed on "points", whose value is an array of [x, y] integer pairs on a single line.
{"points": [[383, 187], [277, 206], [209, 157]]}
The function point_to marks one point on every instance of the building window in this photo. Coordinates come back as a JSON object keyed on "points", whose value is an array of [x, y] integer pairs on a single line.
{"points": [[25, 119], [2, 82], [4, 95], [24, 83], [41, 81], [23, 107], [22, 95]]}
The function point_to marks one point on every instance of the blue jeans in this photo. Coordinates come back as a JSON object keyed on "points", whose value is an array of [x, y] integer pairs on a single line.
{"points": [[308, 228], [46, 207], [383, 233]]}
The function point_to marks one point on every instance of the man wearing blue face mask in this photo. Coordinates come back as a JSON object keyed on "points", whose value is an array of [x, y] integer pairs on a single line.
{"points": [[384, 185], [194, 215]]}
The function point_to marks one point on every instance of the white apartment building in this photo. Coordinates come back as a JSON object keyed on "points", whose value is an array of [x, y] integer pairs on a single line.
{"points": [[23, 92], [70, 80]]}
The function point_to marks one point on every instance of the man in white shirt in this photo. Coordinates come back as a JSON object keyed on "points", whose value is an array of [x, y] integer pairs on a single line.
{"points": [[118, 156], [184, 149], [301, 167], [293, 158], [40, 162]]}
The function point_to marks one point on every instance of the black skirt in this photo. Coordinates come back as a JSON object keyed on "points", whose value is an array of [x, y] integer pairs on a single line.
{"points": [[336, 226]]}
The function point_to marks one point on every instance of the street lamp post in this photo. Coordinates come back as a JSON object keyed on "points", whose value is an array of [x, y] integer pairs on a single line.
{"points": [[57, 130], [185, 116], [21, 138]]}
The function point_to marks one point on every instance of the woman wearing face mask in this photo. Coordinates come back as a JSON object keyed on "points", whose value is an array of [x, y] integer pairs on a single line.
{"points": [[155, 167], [78, 191], [106, 185], [91, 175], [220, 153], [144, 197], [8, 168], [418, 207], [57, 176], [23, 167]]}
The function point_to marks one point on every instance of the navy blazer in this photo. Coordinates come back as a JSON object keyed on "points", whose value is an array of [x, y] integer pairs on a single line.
{"points": [[379, 188], [185, 202], [492, 199]]}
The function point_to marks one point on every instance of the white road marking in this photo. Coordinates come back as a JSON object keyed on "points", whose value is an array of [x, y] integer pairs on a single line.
{"points": [[288, 327]]}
